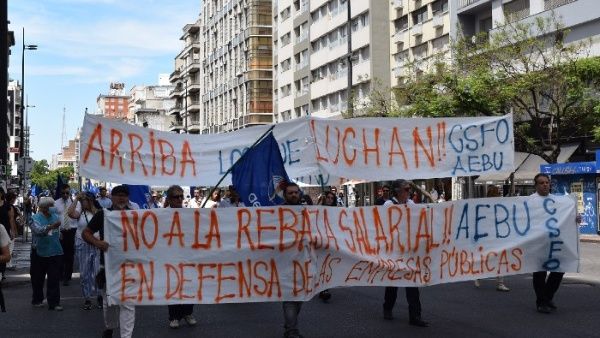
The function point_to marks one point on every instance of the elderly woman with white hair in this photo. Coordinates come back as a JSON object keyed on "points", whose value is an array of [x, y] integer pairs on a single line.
{"points": [[46, 256]]}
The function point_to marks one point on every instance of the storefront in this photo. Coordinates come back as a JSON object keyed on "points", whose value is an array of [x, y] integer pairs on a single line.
{"points": [[580, 179]]}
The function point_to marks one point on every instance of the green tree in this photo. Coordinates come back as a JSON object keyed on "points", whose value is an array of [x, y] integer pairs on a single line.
{"points": [[44, 178], [550, 86]]}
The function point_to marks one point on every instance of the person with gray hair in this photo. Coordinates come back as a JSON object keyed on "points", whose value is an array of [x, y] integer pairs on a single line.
{"points": [[401, 195], [46, 256]]}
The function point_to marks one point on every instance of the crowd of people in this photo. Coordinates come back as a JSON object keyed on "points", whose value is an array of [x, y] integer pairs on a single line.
{"points": [[72, 227]]}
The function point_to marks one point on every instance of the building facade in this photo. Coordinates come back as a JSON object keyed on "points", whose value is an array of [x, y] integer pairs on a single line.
{"points": [[328, 54], [115, 104], [236, 61], [13, 127], [148, 105], [186, 80]]}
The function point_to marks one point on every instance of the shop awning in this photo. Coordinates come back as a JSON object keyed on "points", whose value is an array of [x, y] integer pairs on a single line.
{"points": [[527, 166]]}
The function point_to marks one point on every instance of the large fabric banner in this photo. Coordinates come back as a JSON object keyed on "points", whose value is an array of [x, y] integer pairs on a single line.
{"points": [[168, 256], [314, 151]]}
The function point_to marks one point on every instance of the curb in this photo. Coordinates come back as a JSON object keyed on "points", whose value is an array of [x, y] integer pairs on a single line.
{"points": [[589, 238]]}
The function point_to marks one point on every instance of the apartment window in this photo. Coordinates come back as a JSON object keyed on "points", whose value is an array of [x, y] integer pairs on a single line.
{"points": [[419, 15], [439, 6], [516, 10], [439, 43], [286, 39], [551, 4], [286, 65], [285, 14], [401, 23]]}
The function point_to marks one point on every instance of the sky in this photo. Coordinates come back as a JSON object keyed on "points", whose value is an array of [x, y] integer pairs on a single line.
{"points": [[83, 46]]}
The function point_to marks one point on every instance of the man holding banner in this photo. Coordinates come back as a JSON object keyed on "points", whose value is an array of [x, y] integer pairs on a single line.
{"points": [[401, 194], [122, 315]]}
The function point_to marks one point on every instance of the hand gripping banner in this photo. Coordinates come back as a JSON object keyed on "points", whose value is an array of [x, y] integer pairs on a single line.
{"points": [[233, 255]]}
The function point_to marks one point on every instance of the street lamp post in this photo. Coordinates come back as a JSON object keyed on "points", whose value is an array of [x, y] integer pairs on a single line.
{"points": [[22, 122]]}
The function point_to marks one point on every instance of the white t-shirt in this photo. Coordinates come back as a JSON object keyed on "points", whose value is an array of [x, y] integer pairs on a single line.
{"points": [[391, 202], [82, 222], [61, 208], [195, 203], [210, 204], [4, 239]]}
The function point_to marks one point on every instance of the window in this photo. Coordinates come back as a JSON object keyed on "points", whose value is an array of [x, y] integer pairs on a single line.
{"points": [[439, 6], [419, 15], [516, 10], [401, 23]]}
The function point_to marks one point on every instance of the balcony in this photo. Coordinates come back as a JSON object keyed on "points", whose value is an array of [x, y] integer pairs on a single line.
{"points": [[398, 37], [398, 4], [465, 3], [417, 29], [176, 125], [176, 109], [438, 20], [174, 76], [194, 124]]}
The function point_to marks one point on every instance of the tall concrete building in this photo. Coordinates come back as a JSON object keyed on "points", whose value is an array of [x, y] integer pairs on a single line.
{"points": [[14, 126], [186, 79], [236, 64], [420, 36], [313, 49], [148, 105], [580, 17], [115, 104]]}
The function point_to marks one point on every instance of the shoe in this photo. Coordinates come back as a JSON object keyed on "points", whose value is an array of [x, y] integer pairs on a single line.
{"points": [[417, 321], [87, 305], [387, 315], [477, 283], [190, 320], [107, 333], [502, 287], [552, 306], [325, 295], [55, 308], [543, 308], [174, 324], [292, 334], [38, 304]]}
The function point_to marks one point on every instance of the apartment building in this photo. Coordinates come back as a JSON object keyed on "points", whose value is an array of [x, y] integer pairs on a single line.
{"points": [[421, 32], [186, 80], [328, 53], [580, 17], [148, 105], [115, 104], [236, 61], [14, 126]]}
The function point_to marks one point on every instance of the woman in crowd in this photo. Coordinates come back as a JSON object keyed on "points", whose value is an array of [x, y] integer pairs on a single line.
{"points": [[46, 256], [214, 200], [88, 256], [178, 312], [4, 257], [493, 191], [8, 218], [328, 199]]}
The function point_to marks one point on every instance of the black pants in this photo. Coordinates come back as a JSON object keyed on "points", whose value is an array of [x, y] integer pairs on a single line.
{"points": [[180, 310], [68, 245], [39, 269], [546, 288], [412, 298]]}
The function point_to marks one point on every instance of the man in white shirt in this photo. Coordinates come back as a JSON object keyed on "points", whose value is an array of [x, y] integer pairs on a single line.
{"points": [[68, 228], [400, 195], [545, 288], [103, 199], [196, 202]]}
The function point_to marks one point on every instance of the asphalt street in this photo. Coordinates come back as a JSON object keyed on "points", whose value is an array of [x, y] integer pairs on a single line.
{"points": [[454, 310]]}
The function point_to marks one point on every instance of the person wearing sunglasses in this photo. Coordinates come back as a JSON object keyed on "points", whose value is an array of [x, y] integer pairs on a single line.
{"points": [[400, 195], [177, 312]]}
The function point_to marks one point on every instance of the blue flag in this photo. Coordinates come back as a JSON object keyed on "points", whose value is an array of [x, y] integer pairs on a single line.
{"points": [[89, 187], [139, 194], [59, 184], [259, 176], [34, 190]]}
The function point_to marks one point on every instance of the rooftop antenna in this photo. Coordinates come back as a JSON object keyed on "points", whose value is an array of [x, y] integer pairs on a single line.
{"points": [[63, 136]]}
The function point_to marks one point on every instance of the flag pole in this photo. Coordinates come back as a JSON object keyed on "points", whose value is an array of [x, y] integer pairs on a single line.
{"points": [[233, 165]]}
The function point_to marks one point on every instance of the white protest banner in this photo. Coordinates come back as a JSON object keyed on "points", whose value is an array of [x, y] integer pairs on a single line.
{"points": [[314, 150], [168, 256]]}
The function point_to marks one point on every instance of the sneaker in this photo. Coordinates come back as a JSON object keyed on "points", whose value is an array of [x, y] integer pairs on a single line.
{"points": [[190, 320], [38, 304], [543, 308], [174, 324], [56, 308], [502, 287], [87, 305], [477, 283]]}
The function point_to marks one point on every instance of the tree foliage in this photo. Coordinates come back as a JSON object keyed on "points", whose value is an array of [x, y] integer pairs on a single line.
{"points": [[527, 68], [46, 179]]}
